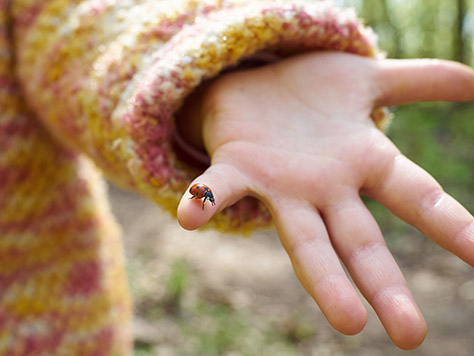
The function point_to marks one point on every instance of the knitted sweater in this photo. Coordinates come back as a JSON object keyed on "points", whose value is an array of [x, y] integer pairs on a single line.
{"points": [[89, 87]]}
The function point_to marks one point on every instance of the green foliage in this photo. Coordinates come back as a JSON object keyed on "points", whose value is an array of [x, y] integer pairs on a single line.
{"points": [[215, 330], [420, 28], [208, 324], [176, 285], [142, 350]]}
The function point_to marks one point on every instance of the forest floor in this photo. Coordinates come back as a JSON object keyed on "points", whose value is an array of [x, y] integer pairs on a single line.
{"points": [[205, 294]]}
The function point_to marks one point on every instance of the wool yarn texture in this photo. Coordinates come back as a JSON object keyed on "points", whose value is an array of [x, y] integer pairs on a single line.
{"points": [[89, 89]]}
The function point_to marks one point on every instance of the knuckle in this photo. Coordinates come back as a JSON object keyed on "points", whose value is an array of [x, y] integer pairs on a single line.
{"points": [[430, 201], [464, 238], [301, 246], [364, 251], [397, 289]]}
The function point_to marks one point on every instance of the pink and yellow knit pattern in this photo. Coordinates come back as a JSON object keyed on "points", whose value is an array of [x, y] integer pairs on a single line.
{"points": [[62, 282], [86, 84]]}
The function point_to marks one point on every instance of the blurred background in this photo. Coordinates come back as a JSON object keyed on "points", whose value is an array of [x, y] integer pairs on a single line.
{"points": [[203, 294]]}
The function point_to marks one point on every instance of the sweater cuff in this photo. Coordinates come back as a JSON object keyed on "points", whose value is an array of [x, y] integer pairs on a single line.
{"points": [[201, 51]]}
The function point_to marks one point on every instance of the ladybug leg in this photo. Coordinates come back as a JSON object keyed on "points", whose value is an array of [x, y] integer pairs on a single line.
{"points": [[192, 197], [203, 201]]}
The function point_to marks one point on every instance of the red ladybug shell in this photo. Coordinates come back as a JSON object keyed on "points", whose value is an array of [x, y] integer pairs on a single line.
{"points": [[200, 191]]}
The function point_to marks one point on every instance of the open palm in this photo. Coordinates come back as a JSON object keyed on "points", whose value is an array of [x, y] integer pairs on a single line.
{"points": [[298, 135]]}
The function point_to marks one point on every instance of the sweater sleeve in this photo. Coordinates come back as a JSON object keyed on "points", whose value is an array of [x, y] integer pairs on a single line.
{"points": [[63, 287], [106, 77]]}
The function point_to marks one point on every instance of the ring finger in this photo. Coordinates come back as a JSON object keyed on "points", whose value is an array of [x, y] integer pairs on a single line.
{"points": [[359, 242]]}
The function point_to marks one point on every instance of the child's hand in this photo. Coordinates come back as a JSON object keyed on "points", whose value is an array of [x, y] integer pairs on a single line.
{"points": [[298, 135]]}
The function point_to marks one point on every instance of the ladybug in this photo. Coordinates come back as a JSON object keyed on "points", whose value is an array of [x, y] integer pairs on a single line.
{"points": [[200, 191]]}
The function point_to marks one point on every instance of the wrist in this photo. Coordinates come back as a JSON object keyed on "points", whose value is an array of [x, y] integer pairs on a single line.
{"points": [[188, 138], [189, 118]]}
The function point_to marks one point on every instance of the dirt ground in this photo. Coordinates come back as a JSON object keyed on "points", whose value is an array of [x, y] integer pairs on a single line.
{"points": [[254, 275]]}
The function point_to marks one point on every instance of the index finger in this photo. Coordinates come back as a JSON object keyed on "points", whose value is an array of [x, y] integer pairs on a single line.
{"points": [[411, 80], [417, 198]]}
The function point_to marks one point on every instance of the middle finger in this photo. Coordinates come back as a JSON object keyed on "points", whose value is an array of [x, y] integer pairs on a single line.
{"points": [[317, 266]]}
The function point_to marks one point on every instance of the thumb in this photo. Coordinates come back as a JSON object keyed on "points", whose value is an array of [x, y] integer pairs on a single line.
{"points": [[411, 80], [226, 184]]}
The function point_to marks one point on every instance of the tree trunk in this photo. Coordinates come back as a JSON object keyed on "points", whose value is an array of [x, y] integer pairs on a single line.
{"points": [[397, 47], [458, 35]]}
